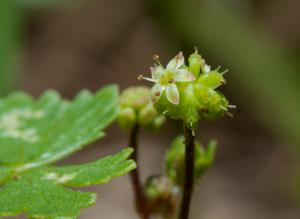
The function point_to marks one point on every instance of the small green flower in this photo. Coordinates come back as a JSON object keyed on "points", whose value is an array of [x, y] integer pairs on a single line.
{"points": [[188, 91], [165, 79]]}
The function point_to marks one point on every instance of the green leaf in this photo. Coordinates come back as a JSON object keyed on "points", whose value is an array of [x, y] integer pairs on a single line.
{"points": [[36, 133], [41, 199], [40, 193], [89, 174]]}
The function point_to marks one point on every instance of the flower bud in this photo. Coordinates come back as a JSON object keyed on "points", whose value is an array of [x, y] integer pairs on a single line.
{"points": [[147, 115], [135, 97], [126, 118], [175, 159], [195, 63], [161, 194], [135, 108], [158, 122]]}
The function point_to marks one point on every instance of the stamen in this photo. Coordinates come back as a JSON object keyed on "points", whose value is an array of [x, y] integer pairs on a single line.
{"points": [[141, 77], [229, 114], [232, 106], [156, 59], [224, 72], [218, 68], [165, 112], [223, 82], [193, 132], [224, 108], [196, 49]]}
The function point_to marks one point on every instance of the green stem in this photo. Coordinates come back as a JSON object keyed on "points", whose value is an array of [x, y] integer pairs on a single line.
{"points": [[140, 200], [189, 173]]}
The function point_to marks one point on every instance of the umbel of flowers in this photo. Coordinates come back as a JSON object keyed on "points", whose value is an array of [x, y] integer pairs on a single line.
{"points": [[187, 91]]}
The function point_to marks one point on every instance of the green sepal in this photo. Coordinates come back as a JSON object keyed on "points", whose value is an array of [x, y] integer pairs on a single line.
{"points": [[213, 104], [187, 109], [195, 63], [212, 79]]}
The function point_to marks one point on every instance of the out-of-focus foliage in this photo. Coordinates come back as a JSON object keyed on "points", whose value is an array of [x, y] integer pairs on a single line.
{"points": [[31, 4], [12, 25], [11, 22], [264, 70]]}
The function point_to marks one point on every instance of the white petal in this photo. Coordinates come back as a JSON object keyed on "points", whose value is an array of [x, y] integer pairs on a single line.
{"points": [[176, 62], [172, 93], [206, 68], [157, 72], [182, 75], [156, 92]]}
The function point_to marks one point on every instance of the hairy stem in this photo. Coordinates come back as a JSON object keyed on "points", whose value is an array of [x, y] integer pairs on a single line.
{"points": [[189, 173], [140, 199]]}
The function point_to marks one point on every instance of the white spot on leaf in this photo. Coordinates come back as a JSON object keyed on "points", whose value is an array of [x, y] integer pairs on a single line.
{"points": [[12, 124], [93, 199], [59, 179]]}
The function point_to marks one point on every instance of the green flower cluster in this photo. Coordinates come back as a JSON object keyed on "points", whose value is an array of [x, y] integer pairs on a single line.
{"points": [[164, 191], [174, 159], [135, 108], [187, 92]]}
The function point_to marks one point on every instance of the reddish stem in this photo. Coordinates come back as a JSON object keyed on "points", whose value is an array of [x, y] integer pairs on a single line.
{"points": [[140, 200]]}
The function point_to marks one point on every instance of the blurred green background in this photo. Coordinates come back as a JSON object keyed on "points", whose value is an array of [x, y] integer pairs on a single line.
{"points": [[70, 45]]}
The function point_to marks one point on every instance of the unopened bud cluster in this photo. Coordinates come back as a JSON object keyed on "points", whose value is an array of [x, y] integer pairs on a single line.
{"points": [[135, 108], [175, 156]]}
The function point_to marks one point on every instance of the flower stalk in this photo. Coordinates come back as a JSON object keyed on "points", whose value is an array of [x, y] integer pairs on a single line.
{"points": [[140, 200], [189, 173]]}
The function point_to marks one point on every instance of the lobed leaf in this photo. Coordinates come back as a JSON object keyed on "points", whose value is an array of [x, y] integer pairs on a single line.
{"points": [[36, 133], [40, 193], [97, 172]]}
